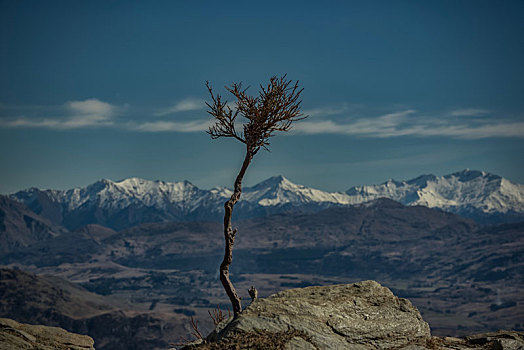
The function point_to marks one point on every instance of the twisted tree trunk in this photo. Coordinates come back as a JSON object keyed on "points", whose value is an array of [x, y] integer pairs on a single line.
{"points": [[274, 109], [229, 236]]}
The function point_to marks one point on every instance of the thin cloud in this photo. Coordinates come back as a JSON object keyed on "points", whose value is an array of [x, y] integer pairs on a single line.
{"points": [[373, 127], [78, 114], [469, 112], [94, 113], [409, 123], [167, 126], [90, 107], [487, 130], [325, 111], [188, 104]]}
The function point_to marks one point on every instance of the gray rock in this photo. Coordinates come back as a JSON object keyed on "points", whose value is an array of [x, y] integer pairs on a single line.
{"points": [[363, 315], [500, 340], [297, 343], [14, 335]]}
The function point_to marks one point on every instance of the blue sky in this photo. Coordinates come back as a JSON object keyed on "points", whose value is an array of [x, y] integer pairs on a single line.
{"points": [[393, 89]]}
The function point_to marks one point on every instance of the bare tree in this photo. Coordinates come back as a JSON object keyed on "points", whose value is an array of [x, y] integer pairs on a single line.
{"points": [[275, 108]]}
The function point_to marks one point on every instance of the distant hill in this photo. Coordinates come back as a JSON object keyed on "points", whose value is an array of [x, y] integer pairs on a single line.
{"points": [[382, 235], [485, 197], [21, 227], [52, 301]]}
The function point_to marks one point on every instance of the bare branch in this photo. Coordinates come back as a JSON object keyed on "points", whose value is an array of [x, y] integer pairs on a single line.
{"points": [[224, 116], [275, 108], [196, 332], [218, 316]]}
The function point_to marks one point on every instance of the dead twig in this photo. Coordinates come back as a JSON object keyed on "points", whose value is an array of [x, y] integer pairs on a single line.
{"points": [[196, 332], [218, 316]]}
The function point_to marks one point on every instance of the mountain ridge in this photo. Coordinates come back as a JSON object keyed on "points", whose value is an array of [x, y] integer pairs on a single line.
{"points": [[20, 227], [485, 197]]}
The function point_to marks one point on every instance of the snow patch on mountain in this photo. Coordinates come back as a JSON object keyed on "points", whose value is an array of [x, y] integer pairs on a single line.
{"points": [[134, 199], [121, 194], [279, 190], [461, 190]]}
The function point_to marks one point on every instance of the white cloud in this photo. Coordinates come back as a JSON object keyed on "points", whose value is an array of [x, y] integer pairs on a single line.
{"points": [[167, 126], [188, 104], [409, 123], [91, 106], [78, 114], [91, 112]]}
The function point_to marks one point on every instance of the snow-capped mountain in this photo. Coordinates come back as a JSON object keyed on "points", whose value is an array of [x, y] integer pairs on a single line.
{"points": [[132, 201], [119, 195], [470, 193], [115, 204], [278, 190]]}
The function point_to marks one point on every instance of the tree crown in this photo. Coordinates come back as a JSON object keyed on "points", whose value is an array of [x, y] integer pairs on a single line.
{"points": [[275, 108]]}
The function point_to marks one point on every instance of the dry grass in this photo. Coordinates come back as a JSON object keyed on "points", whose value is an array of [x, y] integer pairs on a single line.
{"points": [[259, 340]]}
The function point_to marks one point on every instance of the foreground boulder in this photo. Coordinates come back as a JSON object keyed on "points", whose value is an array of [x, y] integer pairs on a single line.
{"points": [[14, 335], [357, 316], [363, 315]]}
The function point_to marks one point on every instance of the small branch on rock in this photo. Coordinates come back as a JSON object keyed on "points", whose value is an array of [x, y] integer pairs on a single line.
{"points": [[253, 293], [196, 332], [218, 316]]}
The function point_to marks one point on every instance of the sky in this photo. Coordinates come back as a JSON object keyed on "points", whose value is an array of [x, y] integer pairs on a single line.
{"points": [[392, 89]]}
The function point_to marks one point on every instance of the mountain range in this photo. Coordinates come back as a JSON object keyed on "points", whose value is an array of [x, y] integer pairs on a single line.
{"points": [[484, 197]]}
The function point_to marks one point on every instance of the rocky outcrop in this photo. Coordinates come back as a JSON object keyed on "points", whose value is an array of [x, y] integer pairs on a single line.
{"points": [[358, 316], [14, 335]]}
